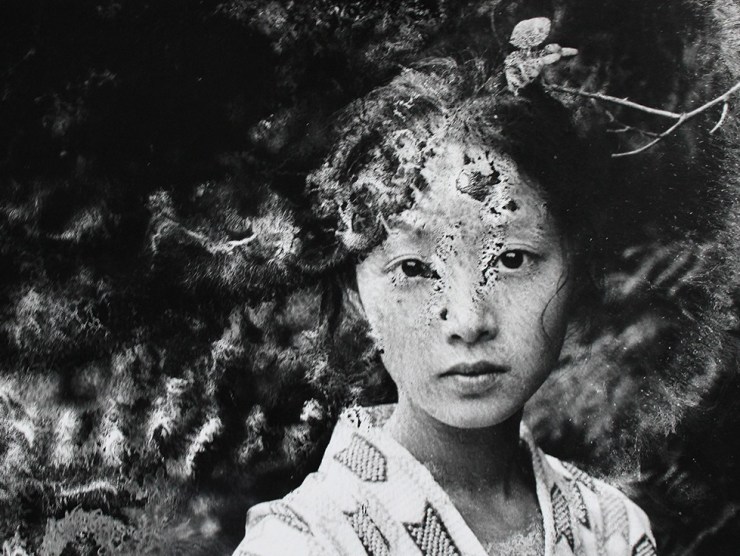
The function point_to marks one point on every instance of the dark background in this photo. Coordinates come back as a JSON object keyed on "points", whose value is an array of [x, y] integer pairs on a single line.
{"points": [[156, 380]]}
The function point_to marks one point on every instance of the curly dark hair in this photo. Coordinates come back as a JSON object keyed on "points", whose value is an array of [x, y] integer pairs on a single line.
{"points": [[387, 135], [163, 250]]}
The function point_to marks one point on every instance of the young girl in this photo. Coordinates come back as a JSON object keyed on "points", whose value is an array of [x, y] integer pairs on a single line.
{"points": [[462, 207]]}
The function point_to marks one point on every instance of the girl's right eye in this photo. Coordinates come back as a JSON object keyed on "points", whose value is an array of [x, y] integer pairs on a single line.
{"points": [[415, 268]]}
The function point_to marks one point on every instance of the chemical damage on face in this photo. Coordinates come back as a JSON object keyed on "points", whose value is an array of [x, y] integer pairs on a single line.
{"points": [[460, 176], [436, 235], [471, 271]]}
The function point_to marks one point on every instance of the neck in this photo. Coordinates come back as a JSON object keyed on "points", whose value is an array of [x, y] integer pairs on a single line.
{"points": [[482, 459]]}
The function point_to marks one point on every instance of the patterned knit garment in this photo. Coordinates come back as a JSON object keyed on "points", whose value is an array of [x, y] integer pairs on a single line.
{"points": [[370, 496]]}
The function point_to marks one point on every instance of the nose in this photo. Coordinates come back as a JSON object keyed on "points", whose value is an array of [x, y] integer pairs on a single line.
{"points": [[469, 319]]}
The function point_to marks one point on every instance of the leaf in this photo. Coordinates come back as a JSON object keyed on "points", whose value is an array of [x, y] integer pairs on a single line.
{"points": [[548, 59], [522, 69], [530, 32]]}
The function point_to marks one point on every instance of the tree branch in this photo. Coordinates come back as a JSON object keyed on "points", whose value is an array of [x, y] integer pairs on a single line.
{"points": [[646, 146], [624, 128], [615, 100], [725, 110], [681, 118], [727, 516]]}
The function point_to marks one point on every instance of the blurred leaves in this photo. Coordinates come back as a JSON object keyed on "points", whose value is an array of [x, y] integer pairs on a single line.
{"points": [[165, 356], [524, 66]]}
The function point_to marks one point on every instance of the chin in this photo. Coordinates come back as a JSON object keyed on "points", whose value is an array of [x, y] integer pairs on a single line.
{"points": [[478, 417]]}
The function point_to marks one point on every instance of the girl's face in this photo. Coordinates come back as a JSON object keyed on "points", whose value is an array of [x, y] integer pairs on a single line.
{"points": [[467, 297]]}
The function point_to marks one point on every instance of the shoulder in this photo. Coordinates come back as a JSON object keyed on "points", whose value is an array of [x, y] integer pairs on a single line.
{"points": [[616, 522], [330, 512], [310, 520], [278, 527]]}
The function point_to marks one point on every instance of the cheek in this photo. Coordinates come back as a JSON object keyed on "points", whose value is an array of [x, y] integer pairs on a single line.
{"points": [[536, 316], [400, 321]]}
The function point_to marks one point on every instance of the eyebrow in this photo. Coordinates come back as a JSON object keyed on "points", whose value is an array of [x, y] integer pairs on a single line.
{"points": [[516, 222], [406, 235], [404, 227], [537, 234]]}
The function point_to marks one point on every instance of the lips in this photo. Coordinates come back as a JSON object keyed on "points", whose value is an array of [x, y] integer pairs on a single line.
{"points": [[475, 369], [473, 380]]}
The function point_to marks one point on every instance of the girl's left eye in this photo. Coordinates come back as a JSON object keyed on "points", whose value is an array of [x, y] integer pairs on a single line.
{"points": [[514, 259]]}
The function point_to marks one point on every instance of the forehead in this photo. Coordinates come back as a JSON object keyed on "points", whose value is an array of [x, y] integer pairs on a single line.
{"points": [[473, 188]]}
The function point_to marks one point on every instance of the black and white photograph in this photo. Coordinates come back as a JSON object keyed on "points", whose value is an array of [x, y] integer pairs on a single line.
{"points": [[370, 277]]}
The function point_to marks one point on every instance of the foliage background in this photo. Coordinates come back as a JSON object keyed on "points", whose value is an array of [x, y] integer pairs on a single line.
{"points": [[163, 363]]}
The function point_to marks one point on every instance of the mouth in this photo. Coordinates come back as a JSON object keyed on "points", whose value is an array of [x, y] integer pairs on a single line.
{"points": [[475, 369], [473, 380]]}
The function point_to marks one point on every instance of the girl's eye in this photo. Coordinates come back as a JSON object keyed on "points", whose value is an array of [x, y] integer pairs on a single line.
{"points": [[513, 260], [414, 267]]}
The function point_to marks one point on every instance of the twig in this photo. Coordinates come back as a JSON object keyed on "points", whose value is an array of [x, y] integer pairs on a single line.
{"points": [[730, 513], [616, 100], [627, 128], [680, 118], [624, 128], [646, 146], [725, 110]]}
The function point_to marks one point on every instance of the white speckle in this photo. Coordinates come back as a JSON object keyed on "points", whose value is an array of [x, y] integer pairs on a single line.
{"points": [[312, 411]]}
